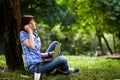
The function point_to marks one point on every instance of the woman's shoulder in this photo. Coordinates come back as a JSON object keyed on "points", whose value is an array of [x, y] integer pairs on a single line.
{"points": [[23, 32], [23, 35]]}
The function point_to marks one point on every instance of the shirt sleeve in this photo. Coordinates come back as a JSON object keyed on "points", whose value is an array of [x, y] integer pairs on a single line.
{"points": [[23, 36]]}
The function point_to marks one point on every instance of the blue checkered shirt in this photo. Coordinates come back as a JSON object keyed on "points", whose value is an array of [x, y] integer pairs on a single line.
{"points": [[31, 56]]}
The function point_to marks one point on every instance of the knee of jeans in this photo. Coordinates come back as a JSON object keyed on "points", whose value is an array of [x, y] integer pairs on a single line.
{"points": [[55, 42], [62, 59]]}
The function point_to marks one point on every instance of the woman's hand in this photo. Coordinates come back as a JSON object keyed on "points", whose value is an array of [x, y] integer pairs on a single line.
{"points": [[51, 53], [29, 42], [27, 28], [47, 54]]}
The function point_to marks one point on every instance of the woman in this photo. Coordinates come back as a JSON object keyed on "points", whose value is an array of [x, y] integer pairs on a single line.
{"points": [[33, 58]]}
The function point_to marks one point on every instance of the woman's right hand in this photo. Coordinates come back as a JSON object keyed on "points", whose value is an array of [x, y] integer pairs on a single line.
{"points": [[27, 28], [30, 41]]}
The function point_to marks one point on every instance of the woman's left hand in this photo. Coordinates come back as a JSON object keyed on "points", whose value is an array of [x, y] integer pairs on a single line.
{"points": [[51, 53]]}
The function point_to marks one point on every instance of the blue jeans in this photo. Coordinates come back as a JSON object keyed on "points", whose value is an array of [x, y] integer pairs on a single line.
{"points": [[58, 62]]}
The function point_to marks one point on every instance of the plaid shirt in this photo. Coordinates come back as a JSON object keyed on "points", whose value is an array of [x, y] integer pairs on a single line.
{"points": [[31, 56]]}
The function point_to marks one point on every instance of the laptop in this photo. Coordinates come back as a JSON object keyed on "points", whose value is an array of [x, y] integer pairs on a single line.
{"points": [[57, 50]]}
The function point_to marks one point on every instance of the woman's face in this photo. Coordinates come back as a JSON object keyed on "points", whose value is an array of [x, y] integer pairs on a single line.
{"points": [[32, 24]]}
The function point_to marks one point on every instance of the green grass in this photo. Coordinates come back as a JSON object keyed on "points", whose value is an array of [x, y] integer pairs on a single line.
{"points": [[2, 61], [91, 68]]}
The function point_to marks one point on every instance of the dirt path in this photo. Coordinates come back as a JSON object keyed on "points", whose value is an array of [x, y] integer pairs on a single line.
{"points": [[114, 56]]}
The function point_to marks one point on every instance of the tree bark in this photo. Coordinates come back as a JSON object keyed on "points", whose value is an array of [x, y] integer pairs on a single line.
{"points": [[2, 28], [13, 51], [100, 44]]}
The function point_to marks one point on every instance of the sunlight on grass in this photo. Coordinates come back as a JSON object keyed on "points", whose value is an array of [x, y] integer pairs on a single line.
{"points": [[2, 61], [91, 68], [96, 68]]}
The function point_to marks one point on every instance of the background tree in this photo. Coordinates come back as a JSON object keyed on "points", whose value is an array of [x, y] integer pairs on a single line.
{"points": [[111, 10]]}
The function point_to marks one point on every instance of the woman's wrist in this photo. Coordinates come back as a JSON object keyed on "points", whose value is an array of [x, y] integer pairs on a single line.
{"points": [[49, 55]]}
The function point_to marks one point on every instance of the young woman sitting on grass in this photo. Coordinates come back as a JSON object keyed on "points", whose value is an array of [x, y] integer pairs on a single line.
{"points": [[33, 58]]}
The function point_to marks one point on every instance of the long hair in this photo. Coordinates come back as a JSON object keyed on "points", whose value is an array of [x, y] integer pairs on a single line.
{"points": [[25, 20]]}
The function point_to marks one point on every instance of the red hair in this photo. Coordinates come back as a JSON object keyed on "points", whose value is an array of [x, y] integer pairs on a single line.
{"points": [[25, 20]]}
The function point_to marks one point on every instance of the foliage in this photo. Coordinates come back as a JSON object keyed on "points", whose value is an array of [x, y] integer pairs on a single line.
{"points": [[88, 20], [69, 21], [1, 2], [48, 12], [117, 43], [91, 68], [111, 10]]}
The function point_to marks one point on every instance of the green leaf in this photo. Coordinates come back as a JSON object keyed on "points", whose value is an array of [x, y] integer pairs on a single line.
{"points": [[98, 4], [113, 18], [117, 14], [109, 12], [114, 1], [116, 8], [107, 3]]}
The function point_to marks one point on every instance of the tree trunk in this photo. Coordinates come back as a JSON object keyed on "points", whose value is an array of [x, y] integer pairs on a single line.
{"points": [[107, 44], [2, 26], [100, 44], [114, 43], [13, 51]]}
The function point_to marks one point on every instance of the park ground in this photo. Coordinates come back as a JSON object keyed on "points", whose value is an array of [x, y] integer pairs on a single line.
{"points": [[91, 68]]}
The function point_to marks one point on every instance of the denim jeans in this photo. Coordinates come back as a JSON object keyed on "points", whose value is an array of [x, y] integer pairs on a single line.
{"points": [[58, 62]]}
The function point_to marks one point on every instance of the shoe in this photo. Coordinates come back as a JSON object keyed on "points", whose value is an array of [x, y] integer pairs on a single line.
{"points": [[73, 70], [76, 70], [62, 72]]}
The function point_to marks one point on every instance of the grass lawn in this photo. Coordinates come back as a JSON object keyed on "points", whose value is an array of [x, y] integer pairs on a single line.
{"points": [[91, 68]]}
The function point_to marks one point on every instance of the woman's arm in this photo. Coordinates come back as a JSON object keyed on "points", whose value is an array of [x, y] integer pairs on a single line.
{"points": [[30, 41], [48, 54]]}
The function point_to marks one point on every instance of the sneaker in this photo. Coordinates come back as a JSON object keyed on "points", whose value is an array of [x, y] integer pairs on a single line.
{"points": [[62, 72], [76, 70], [73, 70]]}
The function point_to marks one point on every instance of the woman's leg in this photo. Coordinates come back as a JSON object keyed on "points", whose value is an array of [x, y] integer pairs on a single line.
{"points": [[52, 47], [58, 62]]}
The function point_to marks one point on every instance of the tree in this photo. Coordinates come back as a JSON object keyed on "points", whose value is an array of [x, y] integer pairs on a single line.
{"points": [[90, 18], [111, 20], [48, 12], [13, 52]]}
